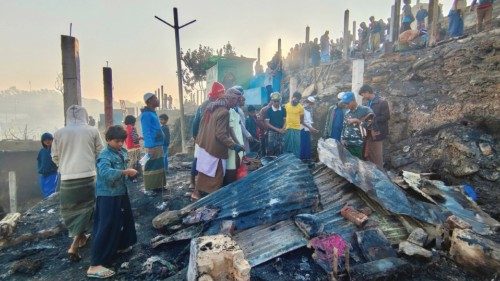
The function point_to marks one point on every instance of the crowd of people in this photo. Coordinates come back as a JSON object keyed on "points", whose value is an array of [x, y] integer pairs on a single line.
{"points": [[93, 179]]}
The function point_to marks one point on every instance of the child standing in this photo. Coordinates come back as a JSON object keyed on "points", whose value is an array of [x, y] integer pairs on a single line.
{"points": [[47, 169], [114, 228], [166, 138], [132, 143]]}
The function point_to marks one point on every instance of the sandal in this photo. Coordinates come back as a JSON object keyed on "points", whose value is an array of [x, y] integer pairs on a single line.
{"points": [[74, 257], [101, 274]]}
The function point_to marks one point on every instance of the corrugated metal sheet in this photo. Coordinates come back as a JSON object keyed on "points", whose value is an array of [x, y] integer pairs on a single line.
{"points": [[265, 242], [375, 183], [276, 192], [335, 192]]}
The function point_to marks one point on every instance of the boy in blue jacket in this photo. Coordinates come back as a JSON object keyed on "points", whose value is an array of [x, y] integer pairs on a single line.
{"points": [[114, 228], [47, 169]]}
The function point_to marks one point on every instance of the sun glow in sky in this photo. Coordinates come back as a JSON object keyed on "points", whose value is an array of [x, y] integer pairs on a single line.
{"points": [[141, 50]]}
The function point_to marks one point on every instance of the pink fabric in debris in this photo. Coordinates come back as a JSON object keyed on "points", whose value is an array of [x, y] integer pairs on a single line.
{"points": [[326, 244]]}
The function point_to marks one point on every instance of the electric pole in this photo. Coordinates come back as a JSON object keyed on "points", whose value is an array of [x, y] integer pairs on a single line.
{"points": [[176, 28]]}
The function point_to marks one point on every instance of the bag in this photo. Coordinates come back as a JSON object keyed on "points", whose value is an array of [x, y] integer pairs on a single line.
{"points": [[242, 171]]}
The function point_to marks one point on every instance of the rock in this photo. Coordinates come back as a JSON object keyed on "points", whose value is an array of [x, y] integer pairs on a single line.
{"points": [[8, 224], [413, 250], [456, 222], [464, 168], [398, 161], [217, 257], [485, 149], [418, 237], [489, 175], [475, 252], [227, 227]]}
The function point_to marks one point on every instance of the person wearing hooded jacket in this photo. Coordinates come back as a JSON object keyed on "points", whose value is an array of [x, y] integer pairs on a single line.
{"points": [[75, 149]]}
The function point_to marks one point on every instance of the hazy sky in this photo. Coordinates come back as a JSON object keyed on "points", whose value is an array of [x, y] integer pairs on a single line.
{"points": [[140, 49]]}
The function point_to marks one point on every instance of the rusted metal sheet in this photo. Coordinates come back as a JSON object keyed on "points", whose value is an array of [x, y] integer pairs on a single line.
{"points": [[336, 192], [265, 242], [375, 183]]}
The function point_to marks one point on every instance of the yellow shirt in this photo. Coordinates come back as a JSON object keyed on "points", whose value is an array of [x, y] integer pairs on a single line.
{"points": [[293, 114]]}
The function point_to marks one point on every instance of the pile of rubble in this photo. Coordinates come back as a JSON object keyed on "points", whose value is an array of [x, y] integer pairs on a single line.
{"points": [[444, 110], [347, 211]]}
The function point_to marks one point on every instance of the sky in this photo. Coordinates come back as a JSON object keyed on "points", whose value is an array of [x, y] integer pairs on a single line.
{"points": [[141, 49]]}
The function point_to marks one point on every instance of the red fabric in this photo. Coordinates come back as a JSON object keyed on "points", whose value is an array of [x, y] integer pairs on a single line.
{"points": [[217, 91], [129, 142], [242, 171]]}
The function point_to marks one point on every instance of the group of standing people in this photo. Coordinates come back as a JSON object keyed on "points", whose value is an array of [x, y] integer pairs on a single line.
{"points": [[372, 35], [360, 128], [94, 179]]}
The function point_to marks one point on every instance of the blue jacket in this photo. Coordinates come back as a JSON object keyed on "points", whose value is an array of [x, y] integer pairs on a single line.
{"points": [[45, 164], [151, 128], [110, 180]]}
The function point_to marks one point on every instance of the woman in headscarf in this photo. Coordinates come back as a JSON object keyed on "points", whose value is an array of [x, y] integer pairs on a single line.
{"points": [[214, 140], [75, 149]]}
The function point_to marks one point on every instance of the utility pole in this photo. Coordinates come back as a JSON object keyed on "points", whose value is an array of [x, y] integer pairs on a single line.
{"points": [[395, 21], [176, 28]]}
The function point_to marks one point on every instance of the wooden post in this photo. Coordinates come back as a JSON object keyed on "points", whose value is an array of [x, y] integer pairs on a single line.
{"points": [[108, 96], [353, 32], [346, 35], [162, 103], [279, 47], [396, 21], [70, 49], [306, 59], [176, 28], [12, 192], [433, 21]]}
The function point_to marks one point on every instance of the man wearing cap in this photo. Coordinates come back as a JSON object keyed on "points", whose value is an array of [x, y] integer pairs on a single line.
{"points": [[216, 92], [275, 121], [306, 129], [335, 122], [379, 130], [154, 172], [356, 116], [214, 140]]}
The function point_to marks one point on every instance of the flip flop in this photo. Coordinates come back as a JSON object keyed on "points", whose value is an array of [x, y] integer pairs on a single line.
{"points": [[101, 274], [74, 257]]}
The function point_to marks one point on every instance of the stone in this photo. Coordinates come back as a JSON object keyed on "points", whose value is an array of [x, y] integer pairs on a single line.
{"points": [[456, 222], [217, 257], [475, 252], [8, 224], [418, 237], [485, 149], [465, 168], [398, 161], [413, 250], [489, 175], [227, 227]]}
